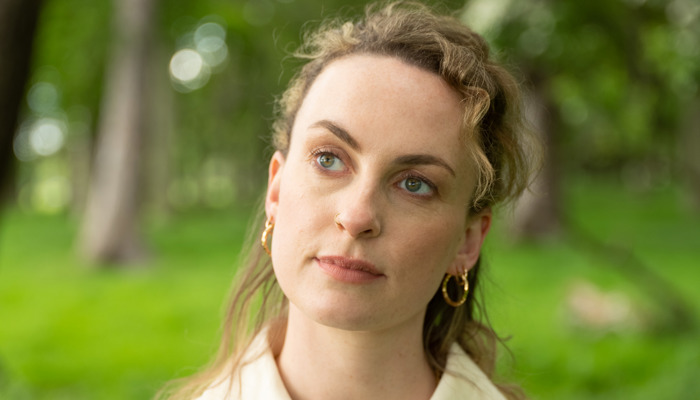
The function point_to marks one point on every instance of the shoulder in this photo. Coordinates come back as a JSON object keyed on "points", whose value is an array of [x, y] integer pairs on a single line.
{"points": [[464, 379]]}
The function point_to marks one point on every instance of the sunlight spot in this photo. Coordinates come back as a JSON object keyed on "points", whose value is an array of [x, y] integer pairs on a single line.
{"points": [[186, 65], [213, 50], [188, 70], [46, 136], [207, 30]]}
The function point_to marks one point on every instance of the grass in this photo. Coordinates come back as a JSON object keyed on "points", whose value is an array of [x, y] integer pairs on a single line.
{"points": [[558, 357], [71, 332]]}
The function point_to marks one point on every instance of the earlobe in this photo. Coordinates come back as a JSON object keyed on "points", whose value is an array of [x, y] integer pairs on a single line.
{"points": [[273, 184], [477, 229]]}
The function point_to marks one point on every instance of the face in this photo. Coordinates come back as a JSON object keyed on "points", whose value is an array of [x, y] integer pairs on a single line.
{"points": [[370, 203]]}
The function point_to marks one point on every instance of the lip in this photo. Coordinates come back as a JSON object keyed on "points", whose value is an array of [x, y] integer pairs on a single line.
{"points": [[350, 270]]}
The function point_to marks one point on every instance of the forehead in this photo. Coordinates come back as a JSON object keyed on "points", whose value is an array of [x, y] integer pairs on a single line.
{"points": [[386, 102], [384, 86]]}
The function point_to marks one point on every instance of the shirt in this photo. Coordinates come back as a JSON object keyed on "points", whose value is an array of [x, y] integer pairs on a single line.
{"points": [[259, 378]]}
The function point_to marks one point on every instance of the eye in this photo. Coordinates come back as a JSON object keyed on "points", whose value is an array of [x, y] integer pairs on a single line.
{"points": [[330, 162], [416, 186]]}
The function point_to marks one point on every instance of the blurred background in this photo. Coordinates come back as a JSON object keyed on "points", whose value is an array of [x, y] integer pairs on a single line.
{"points": [[134, 151]]}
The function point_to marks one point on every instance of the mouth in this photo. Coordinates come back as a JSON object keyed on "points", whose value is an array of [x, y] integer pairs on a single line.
{"points": [[350, 270]]}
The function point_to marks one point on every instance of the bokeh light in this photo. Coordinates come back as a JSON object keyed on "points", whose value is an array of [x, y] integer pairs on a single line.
{"points": [[483, 15], [213, 50], [203, 51], [46, 136], [188, 70], [51, 195], [43, 98], [40, 137]]}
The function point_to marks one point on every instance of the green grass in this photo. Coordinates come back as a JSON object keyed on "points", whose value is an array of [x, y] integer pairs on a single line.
{"points": [[556, 358], [71, 332]]}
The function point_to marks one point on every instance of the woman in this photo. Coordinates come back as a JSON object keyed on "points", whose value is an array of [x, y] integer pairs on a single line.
{"points": [[393, 143]]}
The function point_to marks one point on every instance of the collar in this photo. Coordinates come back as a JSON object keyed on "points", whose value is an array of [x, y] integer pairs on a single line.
{"points": [[259, 378]]}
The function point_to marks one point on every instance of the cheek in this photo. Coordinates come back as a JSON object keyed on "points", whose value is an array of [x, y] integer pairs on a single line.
{"points": [[292, 218], [293, 192], [430, 250], [298, 222]]}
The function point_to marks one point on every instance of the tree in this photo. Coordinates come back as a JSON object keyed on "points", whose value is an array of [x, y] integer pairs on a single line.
{"points": [[616, 78], [110, 227], [18, 20]]}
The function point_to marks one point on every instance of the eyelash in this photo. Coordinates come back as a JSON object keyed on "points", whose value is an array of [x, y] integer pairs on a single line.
{"points": [[413, 175], [324, 151]]}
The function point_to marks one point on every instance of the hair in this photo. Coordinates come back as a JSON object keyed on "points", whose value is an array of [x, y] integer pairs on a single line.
{"points": [[504, 152]]}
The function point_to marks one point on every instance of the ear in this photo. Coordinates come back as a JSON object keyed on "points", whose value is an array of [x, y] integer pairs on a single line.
{"points": [[273, 184], [477, 228]]}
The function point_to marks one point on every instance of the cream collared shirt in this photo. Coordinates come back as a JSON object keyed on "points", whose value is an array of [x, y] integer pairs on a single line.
{"points": [[259, 378]]}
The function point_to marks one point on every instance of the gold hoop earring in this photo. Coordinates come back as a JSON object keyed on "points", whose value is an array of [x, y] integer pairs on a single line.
{"points": [[462, 281], [269, 226], [335, 219]]}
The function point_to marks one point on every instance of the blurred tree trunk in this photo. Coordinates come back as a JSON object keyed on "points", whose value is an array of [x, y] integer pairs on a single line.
{"points": [[18, 20], [689, 148], [159, 144], [538, 213], [110, 231]]}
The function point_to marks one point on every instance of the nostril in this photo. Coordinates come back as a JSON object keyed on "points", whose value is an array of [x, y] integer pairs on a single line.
{"points": [[358, 221]]}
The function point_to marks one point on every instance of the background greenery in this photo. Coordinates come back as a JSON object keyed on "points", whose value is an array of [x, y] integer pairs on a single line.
{"points": [[590, 303]]}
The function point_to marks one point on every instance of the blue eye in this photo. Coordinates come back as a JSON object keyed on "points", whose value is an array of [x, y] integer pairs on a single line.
{"points": [[330, 162], [416, 186]]}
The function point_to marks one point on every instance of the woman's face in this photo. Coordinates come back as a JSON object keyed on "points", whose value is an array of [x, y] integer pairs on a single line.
{"points": [[370, 203]]}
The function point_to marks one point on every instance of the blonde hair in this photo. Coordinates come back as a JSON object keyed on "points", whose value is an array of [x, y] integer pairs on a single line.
{"points": [[504, 157]]}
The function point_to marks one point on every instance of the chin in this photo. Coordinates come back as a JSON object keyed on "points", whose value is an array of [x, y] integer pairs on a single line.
{"points": [[355, 324], [349, 317]]}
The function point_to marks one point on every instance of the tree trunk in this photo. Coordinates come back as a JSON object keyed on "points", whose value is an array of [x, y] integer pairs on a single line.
{"points": [[18, 19], [689, 148], [159, 144], [538, 213], [110, 232]]}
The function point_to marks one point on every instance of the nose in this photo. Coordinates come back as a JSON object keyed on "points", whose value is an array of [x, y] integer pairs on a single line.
{"points": [[358, 216]]}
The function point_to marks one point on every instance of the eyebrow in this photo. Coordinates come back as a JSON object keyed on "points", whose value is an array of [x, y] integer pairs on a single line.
{"points": [[341, 133], [408, 159], [424, 159]]}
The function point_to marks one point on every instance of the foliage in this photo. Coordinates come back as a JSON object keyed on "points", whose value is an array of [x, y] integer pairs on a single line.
{"points": [[206, 147], [620, 75]]}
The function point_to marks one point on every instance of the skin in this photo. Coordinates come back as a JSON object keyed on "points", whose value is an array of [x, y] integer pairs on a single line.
{"points": [[376, 176]]}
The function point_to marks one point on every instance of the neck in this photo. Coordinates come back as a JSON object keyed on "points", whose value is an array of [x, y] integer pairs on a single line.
{"points": [[320, 362]]}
